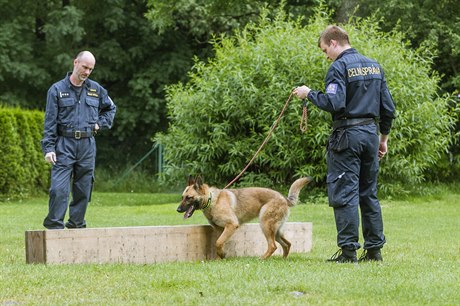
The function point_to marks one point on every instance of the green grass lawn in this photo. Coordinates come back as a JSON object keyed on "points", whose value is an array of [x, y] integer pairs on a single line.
{"points": [[421, 260]]}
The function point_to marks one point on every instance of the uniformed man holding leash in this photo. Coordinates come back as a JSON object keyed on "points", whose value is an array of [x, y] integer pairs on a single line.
{"points": [[362, 111], [76, 109]]}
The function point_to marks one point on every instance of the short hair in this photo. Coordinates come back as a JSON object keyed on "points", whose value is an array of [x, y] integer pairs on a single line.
{"points": [[333, 32]]}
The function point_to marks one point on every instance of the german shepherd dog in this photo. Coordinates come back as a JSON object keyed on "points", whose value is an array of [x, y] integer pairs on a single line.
{"points": [[227, 209]]}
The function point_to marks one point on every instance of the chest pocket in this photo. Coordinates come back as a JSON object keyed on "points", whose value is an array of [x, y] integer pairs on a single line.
{"points": [[66, 110], [93, 109]]}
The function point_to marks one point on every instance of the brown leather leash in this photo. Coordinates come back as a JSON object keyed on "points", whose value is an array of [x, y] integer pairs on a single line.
{"points": [[303, 128], [304, 119]]}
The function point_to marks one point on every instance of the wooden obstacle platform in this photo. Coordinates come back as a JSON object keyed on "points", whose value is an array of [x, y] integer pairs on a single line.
{"points": [[154, 244]]}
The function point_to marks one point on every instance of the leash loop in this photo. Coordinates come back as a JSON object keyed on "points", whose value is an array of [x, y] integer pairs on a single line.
{"points": [[303, 128], [304, 119]]}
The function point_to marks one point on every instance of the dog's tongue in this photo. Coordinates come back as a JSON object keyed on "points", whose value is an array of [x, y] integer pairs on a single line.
{"points": [[189, 212]]}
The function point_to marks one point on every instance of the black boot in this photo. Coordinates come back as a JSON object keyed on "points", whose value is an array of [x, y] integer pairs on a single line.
{"points": [[70, 225], [344, 256], [371, 255]]}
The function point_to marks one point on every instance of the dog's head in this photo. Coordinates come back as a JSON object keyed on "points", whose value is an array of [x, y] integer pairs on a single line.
{"points": [[193, 197]]}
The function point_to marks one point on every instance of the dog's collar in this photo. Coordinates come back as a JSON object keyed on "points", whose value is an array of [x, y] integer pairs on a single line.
{"points": [[209, 201]]}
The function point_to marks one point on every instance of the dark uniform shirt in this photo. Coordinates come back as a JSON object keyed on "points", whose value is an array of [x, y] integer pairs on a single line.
{"points": [[356, 88], [69, 110]]}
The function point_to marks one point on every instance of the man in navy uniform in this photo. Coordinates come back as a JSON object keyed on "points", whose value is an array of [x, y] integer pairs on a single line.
{"points": [[76, 109], [358, 98]]}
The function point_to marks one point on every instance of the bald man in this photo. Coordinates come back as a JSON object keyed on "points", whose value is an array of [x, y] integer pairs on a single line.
{"points": [[76, 109]]}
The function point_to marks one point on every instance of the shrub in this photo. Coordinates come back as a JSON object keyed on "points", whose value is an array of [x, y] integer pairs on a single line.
{"points": [[221, 116], [12, 175], [23, 171]]}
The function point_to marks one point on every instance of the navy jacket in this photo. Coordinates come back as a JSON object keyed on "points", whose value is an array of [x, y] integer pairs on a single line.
{"points": [[356, 88], [66, 111]]}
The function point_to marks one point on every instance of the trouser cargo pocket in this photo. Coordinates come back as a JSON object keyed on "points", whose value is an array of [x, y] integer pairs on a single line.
{"points": [[339, 189], [338, 141]]}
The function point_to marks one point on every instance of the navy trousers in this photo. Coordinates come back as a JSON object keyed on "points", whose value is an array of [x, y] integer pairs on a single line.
{"points": [[72, 173], [352, 186]]}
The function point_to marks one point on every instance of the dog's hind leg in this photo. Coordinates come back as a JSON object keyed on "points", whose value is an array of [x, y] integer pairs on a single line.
{"points": [[285, 244], [229, 230], [270, 236], [272, 216]]}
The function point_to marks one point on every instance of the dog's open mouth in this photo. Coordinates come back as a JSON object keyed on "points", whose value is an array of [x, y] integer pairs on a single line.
{"points": [[189, 212]]}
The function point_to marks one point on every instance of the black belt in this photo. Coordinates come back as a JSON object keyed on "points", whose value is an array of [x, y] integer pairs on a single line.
{"points": [[76, 134], [351, 122]]}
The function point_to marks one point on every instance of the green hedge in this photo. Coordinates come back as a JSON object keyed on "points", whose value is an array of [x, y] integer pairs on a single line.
{"points": [[23, 171]]}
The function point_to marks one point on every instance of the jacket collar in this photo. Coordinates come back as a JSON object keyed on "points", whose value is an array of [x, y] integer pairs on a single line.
{"points": [[86, 83], [345, 52]]}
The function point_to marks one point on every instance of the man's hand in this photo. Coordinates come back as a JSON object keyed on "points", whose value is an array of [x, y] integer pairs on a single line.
{"points": [[302, 92], [383, 146], [50, 157]]}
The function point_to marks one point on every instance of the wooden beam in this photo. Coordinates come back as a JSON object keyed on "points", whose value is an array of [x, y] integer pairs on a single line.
{"points": [[153, 244]]}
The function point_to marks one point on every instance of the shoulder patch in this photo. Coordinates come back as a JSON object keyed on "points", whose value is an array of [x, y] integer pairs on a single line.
{"points": [[331, 88]]}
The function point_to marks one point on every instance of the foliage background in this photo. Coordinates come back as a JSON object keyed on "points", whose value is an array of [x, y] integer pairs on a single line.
{"points": [[424, 22], [143, 45], [223, 113]]}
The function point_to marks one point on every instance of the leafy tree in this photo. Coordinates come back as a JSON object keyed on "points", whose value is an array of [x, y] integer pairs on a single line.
{"points": [[203, 18], [137, 56], [39, 39], [18, 64], [435, 24], [432, 22], [220, 117]]}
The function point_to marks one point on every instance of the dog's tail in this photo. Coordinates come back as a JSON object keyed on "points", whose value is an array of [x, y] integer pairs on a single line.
{"points": [[295, 189]]}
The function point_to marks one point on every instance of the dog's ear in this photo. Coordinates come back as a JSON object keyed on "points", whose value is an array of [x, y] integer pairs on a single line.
{"points": [[198, 181], [191, 180]]}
